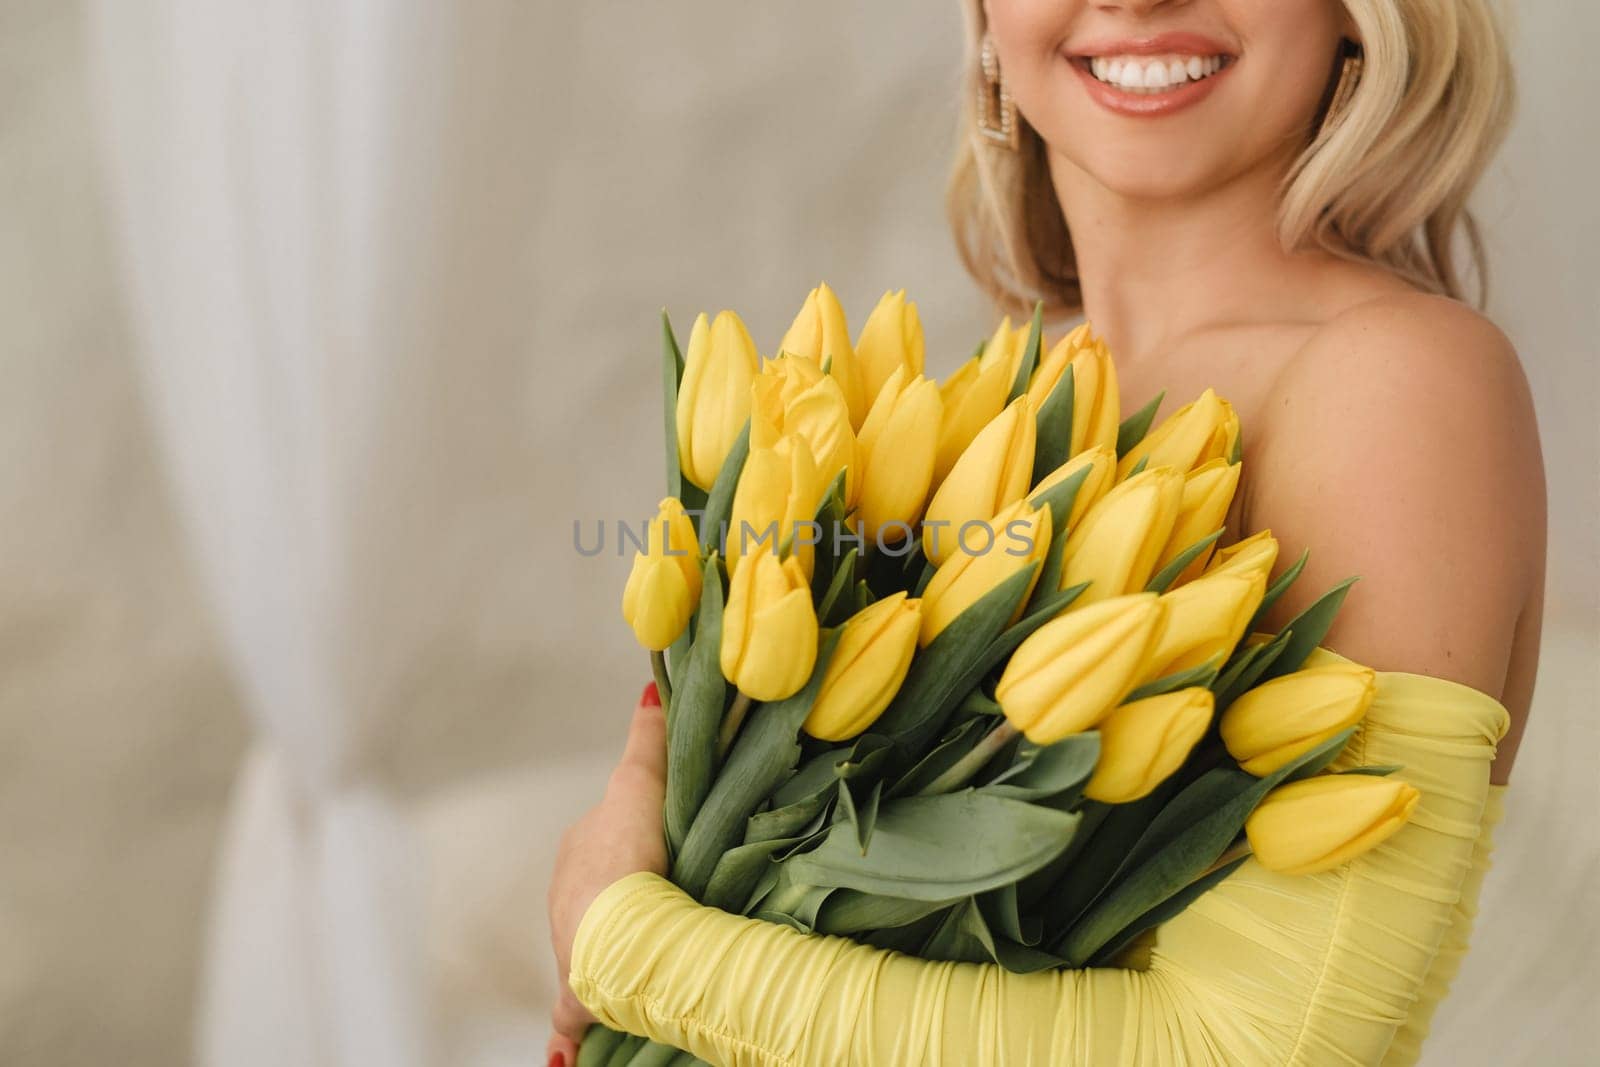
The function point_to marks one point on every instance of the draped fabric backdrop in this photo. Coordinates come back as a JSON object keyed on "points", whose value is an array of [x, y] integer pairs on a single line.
{"points": [[388, 273]]}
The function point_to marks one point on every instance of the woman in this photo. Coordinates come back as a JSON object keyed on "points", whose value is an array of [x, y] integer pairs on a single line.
{"points": [[1263, 198]]}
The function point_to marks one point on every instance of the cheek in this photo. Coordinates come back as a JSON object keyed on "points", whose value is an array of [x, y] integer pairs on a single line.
{"points": [[1027, 35]]}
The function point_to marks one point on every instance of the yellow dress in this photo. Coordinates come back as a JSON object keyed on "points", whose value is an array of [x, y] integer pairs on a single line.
{"points": [[1344, 967]]}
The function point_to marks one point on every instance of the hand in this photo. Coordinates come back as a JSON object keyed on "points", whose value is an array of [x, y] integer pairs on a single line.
{"points": [[620, 836]]}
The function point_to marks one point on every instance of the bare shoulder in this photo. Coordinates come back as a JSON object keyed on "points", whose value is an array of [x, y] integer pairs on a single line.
{"points": [[1399, 444]]}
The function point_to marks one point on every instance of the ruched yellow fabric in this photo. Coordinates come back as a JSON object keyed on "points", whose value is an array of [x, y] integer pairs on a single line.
{"points": [[1343, 967]]}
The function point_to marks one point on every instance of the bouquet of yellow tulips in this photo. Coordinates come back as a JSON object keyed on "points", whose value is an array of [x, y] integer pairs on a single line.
{"points": [[962, 668]]}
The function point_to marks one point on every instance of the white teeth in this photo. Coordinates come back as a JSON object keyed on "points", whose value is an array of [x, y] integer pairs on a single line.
{"points": [[1137, 75]]}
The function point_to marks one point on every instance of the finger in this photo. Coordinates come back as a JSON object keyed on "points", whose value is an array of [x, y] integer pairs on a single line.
{"points": [[647, 734], [562, 1050], [569, 1018]]}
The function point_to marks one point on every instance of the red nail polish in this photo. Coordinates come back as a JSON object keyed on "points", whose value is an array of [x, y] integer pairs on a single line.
{"points": [[557, 1060], [651, 698]]}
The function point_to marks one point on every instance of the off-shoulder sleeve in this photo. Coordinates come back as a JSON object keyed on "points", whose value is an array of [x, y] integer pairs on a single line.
{"points": [[1264, 969]]}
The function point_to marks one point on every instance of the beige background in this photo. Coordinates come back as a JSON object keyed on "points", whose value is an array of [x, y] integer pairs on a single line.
{"points": [[608, 158]]}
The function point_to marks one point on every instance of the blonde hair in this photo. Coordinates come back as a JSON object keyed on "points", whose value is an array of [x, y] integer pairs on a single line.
{"points": [[1385, 180]]}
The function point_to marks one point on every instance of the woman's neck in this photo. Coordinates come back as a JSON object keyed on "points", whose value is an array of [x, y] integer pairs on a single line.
{"points": [[1153, 271]]}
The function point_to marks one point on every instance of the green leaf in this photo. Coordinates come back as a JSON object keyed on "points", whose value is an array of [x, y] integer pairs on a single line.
{"points": [[766, 751], [1307, 630], [1099, 858], [1377, 770], [1169, 574], [830, 511], [1135, 426], [1050, 770], [1249, 671], [831, 610], [1202, 675], [1276, 590], [925, 577], [671, 375], [1059, 498], [719, 502], [739, 871], [944, 755], [1183, 856], [1038, 885], [1167, 909], [1053, 439], [1237, 452], [849, 911], [696, 714], [939, 847], [1030, 353], [1138, 468], [938, 677]]}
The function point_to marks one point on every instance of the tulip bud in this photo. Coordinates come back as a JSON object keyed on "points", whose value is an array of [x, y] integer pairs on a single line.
{"points": [[1021, 538], [769, 628], [1205, 620], [866, 669], [1005, 348], [1067, 675], [1102, 464], [1258, 552], [714, 396], [664, 585], [1143, 743], [1116, 546], [993, 472], [819, 333], [1201, 430], [897, 446], [1208, 492], [1096, 402], [891, 339], [972, 397], [1318, 823], [792, 395], [779, 489], [1282, 719]]}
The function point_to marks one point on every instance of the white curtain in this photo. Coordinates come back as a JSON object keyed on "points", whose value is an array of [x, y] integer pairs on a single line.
{"points": [[273, 170]]}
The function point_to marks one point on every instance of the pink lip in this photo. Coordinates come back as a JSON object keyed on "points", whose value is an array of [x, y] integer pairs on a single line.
{"points": [[1193, 44], [1150, 105]]}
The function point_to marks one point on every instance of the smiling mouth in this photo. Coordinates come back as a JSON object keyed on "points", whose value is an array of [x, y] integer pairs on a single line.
{"points": [[1147, 75]]}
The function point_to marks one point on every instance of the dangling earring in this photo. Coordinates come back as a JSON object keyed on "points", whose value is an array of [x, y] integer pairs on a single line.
{"points": [[997, 112], [1350, 64]]}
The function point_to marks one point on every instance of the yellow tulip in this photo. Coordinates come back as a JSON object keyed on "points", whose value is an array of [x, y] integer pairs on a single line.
{"points": [[1208, 492], [972, 397], [891, 339], [714, 396], [1067, 675], [792, 395], [866, 669], [1318, 823], [664, 585], [769, 628], [778, 491], [1206, 619], [819, 333], [993, 472], [897, 446], [1021, 539], [1143, 743], [1203, 429], [1258, 552], [1096, 401], [1102, 464], [1280, 720], [1005, 348], [1116, 546]]}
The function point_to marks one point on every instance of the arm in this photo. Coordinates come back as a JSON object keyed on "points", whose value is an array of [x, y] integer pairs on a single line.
{"points": [[1265, 969]]}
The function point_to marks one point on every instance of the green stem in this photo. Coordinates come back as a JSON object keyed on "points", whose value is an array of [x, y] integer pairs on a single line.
{"points": [[964, 768], [731, 724], [658, 667]]}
